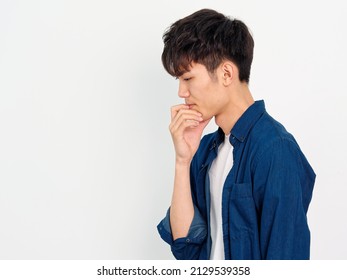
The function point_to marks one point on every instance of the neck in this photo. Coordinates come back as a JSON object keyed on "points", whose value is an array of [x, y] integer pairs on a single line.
{"points": [[240, 100]]}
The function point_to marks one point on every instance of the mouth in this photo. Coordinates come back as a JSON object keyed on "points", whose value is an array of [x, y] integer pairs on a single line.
{"points": [[190, 105]]}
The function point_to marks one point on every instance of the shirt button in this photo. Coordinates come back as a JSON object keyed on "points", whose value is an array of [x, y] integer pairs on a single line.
{"points": [[187, 240]]}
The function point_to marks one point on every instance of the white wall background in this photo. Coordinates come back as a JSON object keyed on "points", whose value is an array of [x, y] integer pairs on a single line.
{"points": [[86, 159]]}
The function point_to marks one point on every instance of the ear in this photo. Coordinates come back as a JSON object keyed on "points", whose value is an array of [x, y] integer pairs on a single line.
{"points": [[228, 72]]}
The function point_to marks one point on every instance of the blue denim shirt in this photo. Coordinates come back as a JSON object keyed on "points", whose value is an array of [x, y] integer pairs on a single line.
{"points": [[265, 196]]}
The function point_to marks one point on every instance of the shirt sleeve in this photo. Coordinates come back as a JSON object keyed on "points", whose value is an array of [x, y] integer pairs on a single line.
{"points": [[283, 184], [188, 247]]}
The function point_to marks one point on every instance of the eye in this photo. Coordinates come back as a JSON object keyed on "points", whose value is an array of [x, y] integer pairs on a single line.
{"points": [[187, 79]]}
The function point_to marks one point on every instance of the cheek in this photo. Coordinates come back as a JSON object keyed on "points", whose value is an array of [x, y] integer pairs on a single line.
{"points": [[214, 105]]}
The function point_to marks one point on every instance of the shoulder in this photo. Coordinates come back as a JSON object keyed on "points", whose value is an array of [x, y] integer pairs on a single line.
{"points": [[270, 138], [268, 129]]}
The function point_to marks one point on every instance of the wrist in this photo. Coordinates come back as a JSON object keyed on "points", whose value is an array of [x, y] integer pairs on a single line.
{"points": [[182, 162]]}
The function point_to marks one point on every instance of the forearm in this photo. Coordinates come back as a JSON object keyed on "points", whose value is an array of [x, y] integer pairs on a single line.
{"points": [[182, 209]]}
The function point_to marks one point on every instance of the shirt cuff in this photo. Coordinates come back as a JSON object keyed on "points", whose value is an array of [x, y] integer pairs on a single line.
{"points": [[196, 234]]}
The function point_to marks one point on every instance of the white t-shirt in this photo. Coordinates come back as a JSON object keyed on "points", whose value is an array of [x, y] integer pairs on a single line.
{"points": [[218, 172]]}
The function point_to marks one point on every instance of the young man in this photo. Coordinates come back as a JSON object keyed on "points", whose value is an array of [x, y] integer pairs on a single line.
{"points": [[243, 191]]}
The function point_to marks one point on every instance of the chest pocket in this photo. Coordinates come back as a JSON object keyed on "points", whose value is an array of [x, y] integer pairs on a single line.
{"points": [[241, 206], [243, 223]]}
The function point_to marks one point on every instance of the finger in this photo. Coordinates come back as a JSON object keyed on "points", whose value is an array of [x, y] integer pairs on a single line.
{"points": [[180, 127], [187, 113], [183, 115], [175, 109], [183, 121], [182, 107]]}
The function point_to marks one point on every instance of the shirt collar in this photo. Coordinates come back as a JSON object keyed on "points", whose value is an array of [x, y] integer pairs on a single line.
{"points": [[244, 124]]}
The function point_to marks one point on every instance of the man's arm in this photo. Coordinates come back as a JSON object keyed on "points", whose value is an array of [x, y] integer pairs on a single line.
{"points": [[283, 184], [186, 128], [182, 209]]}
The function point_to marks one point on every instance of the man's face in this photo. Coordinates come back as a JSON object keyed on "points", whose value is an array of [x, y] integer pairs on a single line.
{"points": [[203, 91]]}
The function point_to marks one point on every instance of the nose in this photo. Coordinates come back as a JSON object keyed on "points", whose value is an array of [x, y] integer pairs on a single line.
{"points": [[183, 91]]}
